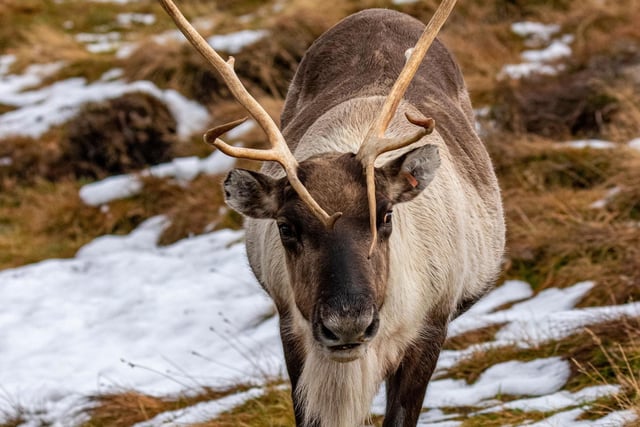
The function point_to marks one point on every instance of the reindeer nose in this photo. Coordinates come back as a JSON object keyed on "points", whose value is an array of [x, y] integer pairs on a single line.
{"points": [[340, 330]]}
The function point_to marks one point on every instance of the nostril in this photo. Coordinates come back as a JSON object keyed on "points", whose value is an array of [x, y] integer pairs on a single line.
{"points": [[328, 334], [372, 328]]}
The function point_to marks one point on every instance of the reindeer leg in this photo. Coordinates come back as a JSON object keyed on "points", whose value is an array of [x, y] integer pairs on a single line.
{"points": [[406, 386]]}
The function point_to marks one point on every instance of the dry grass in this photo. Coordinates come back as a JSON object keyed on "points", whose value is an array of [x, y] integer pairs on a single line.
{"points": [[49, 220], [130, 407], [192, 210], [30, 160], [555, 237], [45, 44], [273, 409], [119, 135], [503, 418], [623, 364], [469, 338]]}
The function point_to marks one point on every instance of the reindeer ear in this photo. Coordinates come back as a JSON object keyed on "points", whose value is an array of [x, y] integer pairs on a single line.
{"points": [[252, 194], [410, 173]]}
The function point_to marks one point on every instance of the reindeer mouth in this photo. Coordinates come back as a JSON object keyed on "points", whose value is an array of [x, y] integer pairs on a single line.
{"points": [[343, 347], [345, 353]]}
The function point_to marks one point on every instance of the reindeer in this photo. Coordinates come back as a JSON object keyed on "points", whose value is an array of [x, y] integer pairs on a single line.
{"points": [[415, 233]]}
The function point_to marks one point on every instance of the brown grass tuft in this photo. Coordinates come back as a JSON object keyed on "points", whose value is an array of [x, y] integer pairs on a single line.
{"points": [[274, 408], [578, 104], [12, 14], [622, 364], [28, 159], [130, 407], [45, 44], [117, 136], [475, 336], [192, 209]]}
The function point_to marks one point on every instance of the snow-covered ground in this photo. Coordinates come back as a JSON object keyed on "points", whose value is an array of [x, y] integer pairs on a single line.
{"points": [[125, 313]]}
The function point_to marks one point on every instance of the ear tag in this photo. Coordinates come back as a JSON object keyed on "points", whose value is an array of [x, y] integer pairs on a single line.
{"points": [[411, 179]]}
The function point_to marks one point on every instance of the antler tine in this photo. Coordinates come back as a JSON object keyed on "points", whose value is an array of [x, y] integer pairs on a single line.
{"points": [[413, 63], [375, 143], [279, 151]]}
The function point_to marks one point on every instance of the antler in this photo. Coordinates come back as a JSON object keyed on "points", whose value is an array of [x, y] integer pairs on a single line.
{"points": [[375, 142], [279, 151]]}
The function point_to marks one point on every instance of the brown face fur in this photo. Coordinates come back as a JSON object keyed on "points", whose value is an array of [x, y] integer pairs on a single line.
{"points": [[328, 264]]}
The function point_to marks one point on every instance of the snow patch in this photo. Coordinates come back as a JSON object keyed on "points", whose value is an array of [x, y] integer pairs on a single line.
{"points": [[241, 130], [602, 203], [510, 291], [543, 60], [127, 19], [534, 32], [32, 76], [518, 71], [535, 378], [635, 144], [99, 43], [537, 328], [6, 61], [183, 169], [112, 74], [53, 105], [597, 144], [548, 301], [233, 43], [558, 49], [557, 400], [111, 188]]}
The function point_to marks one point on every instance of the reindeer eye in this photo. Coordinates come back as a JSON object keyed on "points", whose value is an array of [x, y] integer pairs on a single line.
{"points": [[387, 217], [286, 231]]}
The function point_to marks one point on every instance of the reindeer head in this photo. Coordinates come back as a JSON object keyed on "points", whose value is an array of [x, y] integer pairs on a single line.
{"points": [[338, 283]]}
